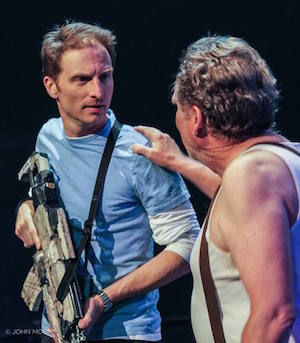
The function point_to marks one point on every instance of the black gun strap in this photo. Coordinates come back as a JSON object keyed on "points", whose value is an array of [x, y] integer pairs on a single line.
{"points": [[206, 277], [88, 224]]}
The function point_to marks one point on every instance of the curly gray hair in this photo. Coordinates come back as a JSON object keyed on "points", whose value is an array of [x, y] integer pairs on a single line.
{"points": [[231, 84]]}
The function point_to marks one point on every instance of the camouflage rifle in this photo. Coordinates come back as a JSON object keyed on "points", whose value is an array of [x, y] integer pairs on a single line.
{"points": [[51, 263]]}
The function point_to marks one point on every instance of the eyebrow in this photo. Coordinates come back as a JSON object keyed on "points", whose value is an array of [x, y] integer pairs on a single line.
{"points": [[80, 75], [108, 69], [89, 75]]}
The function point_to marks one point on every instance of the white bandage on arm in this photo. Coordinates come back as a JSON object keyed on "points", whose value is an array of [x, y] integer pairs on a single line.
{"points": [[177, 229]]}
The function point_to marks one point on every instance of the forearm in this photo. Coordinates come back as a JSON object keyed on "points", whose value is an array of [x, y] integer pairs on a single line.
{"points": [[200, 175], [166, 153], [162, 269], [159, 271]]}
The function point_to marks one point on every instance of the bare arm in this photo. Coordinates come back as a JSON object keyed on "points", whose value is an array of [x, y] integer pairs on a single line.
{"points": [[159, 271], [166, 153], [200, 175], [256, 216], [162, 269], [25, 228]]}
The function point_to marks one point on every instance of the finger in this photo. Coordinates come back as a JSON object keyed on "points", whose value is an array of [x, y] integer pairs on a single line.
{"points": [[148, 131], [84, 322], [141, 150], [34, 236], [27, 233], [37, 242], [21, 232]]}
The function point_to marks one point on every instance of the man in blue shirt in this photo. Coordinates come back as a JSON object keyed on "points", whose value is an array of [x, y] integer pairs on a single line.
{"points": [[141, 202]]}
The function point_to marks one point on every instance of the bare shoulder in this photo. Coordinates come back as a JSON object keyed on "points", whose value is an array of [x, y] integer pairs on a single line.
{"points": [[257, 168], [259, 177]]}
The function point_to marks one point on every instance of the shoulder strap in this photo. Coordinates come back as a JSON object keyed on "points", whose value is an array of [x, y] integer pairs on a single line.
{"points": [[208, 284], [109, 147], [88, 224], [279, 144]]}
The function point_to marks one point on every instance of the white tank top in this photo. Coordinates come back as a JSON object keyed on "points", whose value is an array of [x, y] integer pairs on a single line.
{"points": [[233, 299]]}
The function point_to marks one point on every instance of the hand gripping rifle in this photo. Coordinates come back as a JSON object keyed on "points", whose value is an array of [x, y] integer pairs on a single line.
{"points": [[51, 263]]}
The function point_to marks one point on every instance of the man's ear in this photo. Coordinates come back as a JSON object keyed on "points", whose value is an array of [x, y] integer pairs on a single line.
{"points": [[199, 122], [51, 87]]}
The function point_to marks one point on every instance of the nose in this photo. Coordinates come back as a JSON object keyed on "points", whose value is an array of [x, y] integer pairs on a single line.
{"points": [[96, 90]]}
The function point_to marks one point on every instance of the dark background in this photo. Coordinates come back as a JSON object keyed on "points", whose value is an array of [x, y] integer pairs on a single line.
{"points": [[151, 36]]}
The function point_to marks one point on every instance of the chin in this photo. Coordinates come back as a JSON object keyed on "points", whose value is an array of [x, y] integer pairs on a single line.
{"points": [[97, 122]]}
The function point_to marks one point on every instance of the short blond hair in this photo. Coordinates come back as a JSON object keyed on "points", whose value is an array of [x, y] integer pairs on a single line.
{"points": [[73, 35]]}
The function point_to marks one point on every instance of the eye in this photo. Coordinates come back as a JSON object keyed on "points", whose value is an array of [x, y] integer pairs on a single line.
{"points": [[81, 79], [84, 79], [105, 76]]}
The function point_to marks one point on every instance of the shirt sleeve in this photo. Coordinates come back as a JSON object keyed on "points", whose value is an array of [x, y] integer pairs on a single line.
{"points": [[177, 228], [158, 189]]}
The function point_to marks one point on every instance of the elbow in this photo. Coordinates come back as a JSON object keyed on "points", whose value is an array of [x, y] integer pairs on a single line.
{"points": [[283, 320]]}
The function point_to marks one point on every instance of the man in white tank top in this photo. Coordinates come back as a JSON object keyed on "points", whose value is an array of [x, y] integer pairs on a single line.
{"points": [[226, 98]]}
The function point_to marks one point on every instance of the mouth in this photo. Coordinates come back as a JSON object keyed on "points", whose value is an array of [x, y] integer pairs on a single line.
{"points": [[96, 106]]}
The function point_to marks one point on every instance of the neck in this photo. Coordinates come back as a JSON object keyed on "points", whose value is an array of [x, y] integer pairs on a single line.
{"points": [[218, 153], [75, 129]]}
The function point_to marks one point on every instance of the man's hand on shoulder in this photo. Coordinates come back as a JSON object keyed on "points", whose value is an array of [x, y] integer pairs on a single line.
{"points": [[25, 229], [164, 151]]}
